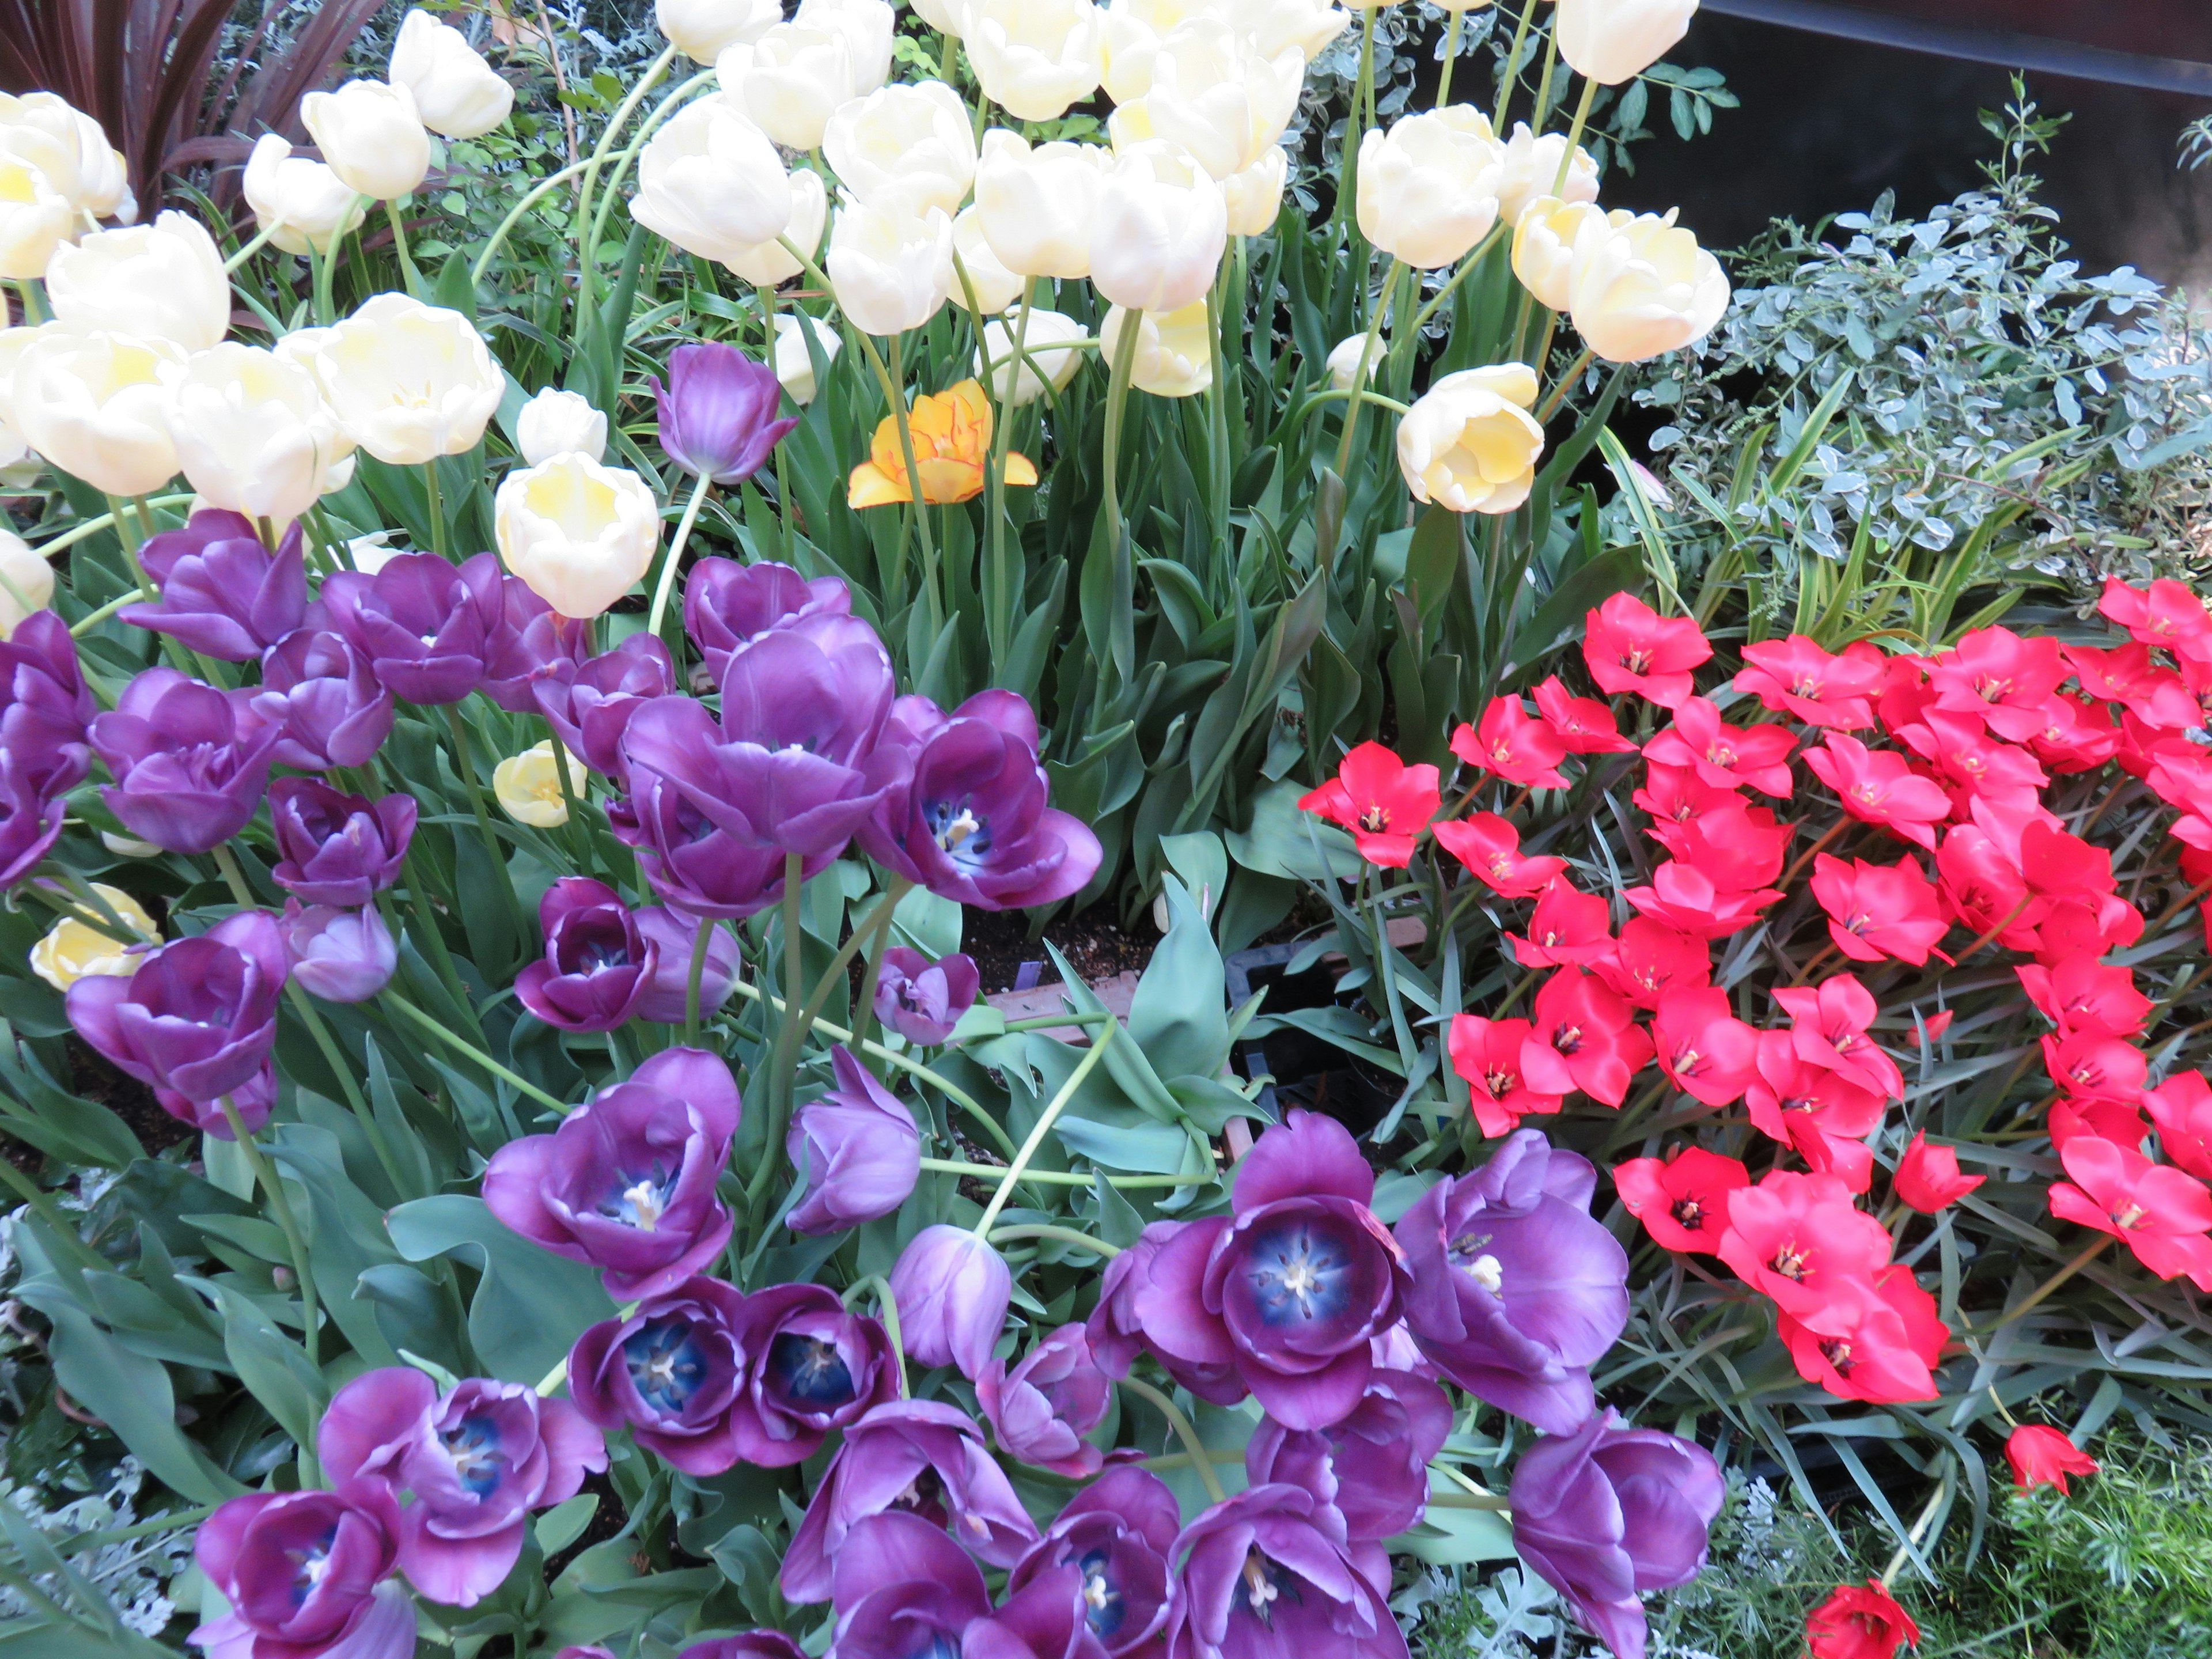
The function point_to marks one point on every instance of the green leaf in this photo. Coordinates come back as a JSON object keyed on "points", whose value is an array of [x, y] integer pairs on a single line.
{"points": [[530, 1306], [275, 1369], [1179, 1015], [1282, 838]]}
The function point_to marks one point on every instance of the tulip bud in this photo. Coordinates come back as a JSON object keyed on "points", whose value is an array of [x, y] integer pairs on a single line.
{"points": [[1034, 58], [557, 422], [1255, 195], [1344, 360], [1610, 41], [1159, 231], [979, 278], [35, 220], [163, 281], [890, 272], [456, 93], [1174, 356], [341, 956], [711, 183], [1428, 188], [579, 534], [409, 382], [789, 81], [905, 148], [794, 368], [866, 27], [1640, 285], [371, 135], [1469, 443], [701, 29], [1532, 169], [71, 949], [252, 432], [1544, 247], [301, 204], [1043, 352], [529, 789], [924, 1001], [26, 581], [717, 413], [668, 986], [856, 1149], [1212, 96], [92, 404], [1035, 206], [952, 1289]]}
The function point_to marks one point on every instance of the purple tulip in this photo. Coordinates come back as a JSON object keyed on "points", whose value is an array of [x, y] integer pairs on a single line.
{"points": [[746, 1644], [810, 1367], [1041, 1409], [1046, 1618], [1293, 1284], [323, 700], [858, 1151], [598, 962], [1517, 1291], [923, 1000], [223, 593], [425, 625], [584, 1651], [189, 762], [952, 1289], [672, 1371], [919, 1455], [1373, 1465], [1271, 1571], [590, 708], [671, 939], [337, 848], [962, 809], [532, 645], [717, 413], [305, 1573], [627, 1182], [1608, 1512], [340, 956], [903, 1590], [31, 820], [1118, 1532], [473, 1460], [696, 867], [196, 1020], [1116, 1330], [728, 606], [45, 706]]}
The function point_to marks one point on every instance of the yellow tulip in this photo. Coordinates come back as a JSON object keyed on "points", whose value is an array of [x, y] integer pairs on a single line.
{"points": [[529, 789], [951, 434], [72, 950]]}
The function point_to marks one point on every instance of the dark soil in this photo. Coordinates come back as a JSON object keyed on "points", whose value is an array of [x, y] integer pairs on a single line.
{"points": [[92, 1077], [1094, 942]]}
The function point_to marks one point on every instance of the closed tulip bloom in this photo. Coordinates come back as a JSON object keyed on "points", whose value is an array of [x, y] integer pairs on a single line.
{"points": [[456, 93], [770, 264], [728, 607], [71, 150], [1273, 25], [867, 27], [557, 422], [1641, 285], [1543, 236], [952, 1289], [1346, 356], [425, 626], [1034, 58], [223, 593], [163, 281], [717, 412], [1173, 356], [794, 363], [907, 148], [371, 134], [1161, 225], [1429, 187], [1255, 195], [1036, 205], [253, 434], [1610, 41], [1214, 95], [710, 182], [1048, 355], [304, 1573], [189, 761], [589, 704], [2041, 1455], [299, 201], [1859, 1621], [340, 956], [409, 382], [1041, 1409], [26, 581], [95, 404], [323, 700], [529, 790], [1928, 1177], [923, 1000], [979, 280], [36, 219], [890, 271], [1134, 29], [701, 29], [668, 985], [70, 949], [337, 848], [856, 1150], [580, 534], [1532, 170], [790, 81], [1373, 1465], [1469, 442]]}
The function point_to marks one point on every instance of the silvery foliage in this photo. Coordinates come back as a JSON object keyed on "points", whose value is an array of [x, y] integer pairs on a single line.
{"points": [[133, 1574]]}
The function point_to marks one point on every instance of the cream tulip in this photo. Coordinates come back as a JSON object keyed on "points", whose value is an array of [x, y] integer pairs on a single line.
{"points": [[14, 451], [26, 581], [1159, 231], [770, 264], [71, 949], [1345, 357], [1532, 170], [1214, 95], [1469, 443], [529, 788], [1034, 58], [1544, 246], [557, 422], [253, 433], [71, 150], [1255, 195], [942, 15], [456, 93], [1615, 40], [580, 535], [164, 281], [408, 382], [1133, 30], [976, 269], [795, 365], [300, 203], [711, 183], [867, 27], [35, 220], [93, 404], [790, 81], [1174, 354], [1271, 25], [1048, 357], [1639, 285], [371, 135], [702, 29], [1036, 206], [1428, 188], [890, 272], [905, 148]]}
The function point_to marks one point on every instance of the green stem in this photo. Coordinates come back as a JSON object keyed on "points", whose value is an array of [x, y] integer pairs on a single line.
{"points": [[932, 577], [1042, 1127], [93, 526], [1065, 1235], [1575, 134], [871, 929], [410, 277], [2043, 1291], [1451, 57], [692, 981], [1366, 355], [667, 585], [586, 250], [514, 216], [1117, 398], [887, 1307], [282, 1205], [1063, 1177], [430, 487], [42, 1204], [1363, 96], [418, 892], [326, 305], [1510, 77], [392, 1000], [1200, 1459], [999, 587], [1566, 383], [784, 1059], [467, 767]]}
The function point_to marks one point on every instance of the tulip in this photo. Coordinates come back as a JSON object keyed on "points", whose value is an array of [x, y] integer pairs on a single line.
{"points": [[71, 150], [888, 271], [409, 382], [1119, 1532], [1490, 846], [1428, 188], [717, 412], [901, 1586], [1034, 58], [1857, 1622], [950, 431], [44, 703], [673, 939], [1254, 197], [456, 93], [670, 1369], [1532, 169], [729, 606], [1486, 1053], [1046, 357], [798, 340], [951, 1288], [1158, 232], [223, 593], [1879, 910], [1630, 647], [1041, 1410], [923, 1000], [905, 149], [253, 433], [1800, 1239], [529, 788], [2181, 1107], [1518, 747], [1828, 1027], [31, 815], [94, 404], [856, 1150], [597, 964], [580, 534], [979, 281], [323, 700], [303, 1573], [811, 1368], [26, 581], [189, 761], [589, 704], [710, 182], [1385, 803], [1610, 41], [749, 1644], [1640, 285], [701, 29], [163, 282], [1566, 927], [1682, 1200], [1824, 1114], [341, 956], [2160, 1213], [337, 848], [1795, 677], [1036, 205], [36, 219], [2083, 994], [1270, 1569], [2045, 1456], [867, 27], [790, 81], [1583, 1036], [1882, 1352], [1469, 442], [1174, 354], [194, 1020], [69, 950], [1273, 25], [691, 862], [1374, 1466], [1544, 237], [660, 1141], [425, 627], [1346, 358], [300, 204], [1212, 96], [1727, 756], [371, 135], [557, 422], [1116, 1332]]}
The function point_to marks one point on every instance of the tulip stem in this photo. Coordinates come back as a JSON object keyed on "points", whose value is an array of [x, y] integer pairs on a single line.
{"points": [[622, 158], [1560, 387], [586, 249], [1360, 378], [393, 999], [1061, 1177], [1200, 1459], [1362, 94], [514, 215], [700, 941], [1117, 398], [864, 1017], [1509, 75], [437, 501], [409, 275], [93, 526], [2042, 1292], [999, 598], [28, 291], [894, 394], [279, 1202], [1798, 865], [1575, 133], [667, 585], [467, 767], [1451, 53], [783, 1060], [887, 1307], [1065, 1235], [871, 931], [1051, 1114]]}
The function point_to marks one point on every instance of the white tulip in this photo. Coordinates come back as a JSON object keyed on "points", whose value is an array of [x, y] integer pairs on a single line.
{"points": [[867, 27], [557, 422], [995, 287], [164, 280], [409, 382], [371, 135], [300, 203], [890, 272], [942, 15], [1428, 188], [370, 553], [1469, 443], [1255, 195], [14, 451], [1161, 226], [1034, 58], [456, 93], [1615, 40], [254, 434], [702, 29], [1214, 95], [1345, 359], [711, 183], [770, 264], [794, 367], [26, 581], [71, 150], [790, 81], [906, 148], [1048, 355], [1640, 285], [93, 404], [1174, 354], [1133, 30], [1036, 206], [1532, 169], [36, 219], [1271, 25], [1544, 247], [580, 535]]}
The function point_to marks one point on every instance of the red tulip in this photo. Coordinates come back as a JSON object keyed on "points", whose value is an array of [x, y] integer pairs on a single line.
{"points": [[1725, 756], [1858, 1622], [1876, 786], [1982, 888], [2094, 1065], [2182, 1108], [2116, 1121], [1797, 676], [1631, 647], [1684, 897], [1565, 926], [1585, 726], [2059, 866], [1928, 1177], [1878, 910], [1800, 1239], [1973, 765], [1676, 794], [1703, 1049], [2078, 734], [2070, 927], [1738, 845], [2128, 674], [1681, 1199], [1583, 1037], [1824, 1114], [1385, 803], [2159, 1212], [1829, 1028], [2045, 1456], [1888, 1356], [2167, 613], [1486, 1053], [2082, 994], [1998, 677], [1905, 694], [1490, 847], [1519, 747], [1650, 959]]}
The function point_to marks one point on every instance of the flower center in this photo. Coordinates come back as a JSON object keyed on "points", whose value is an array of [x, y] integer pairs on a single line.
{"points": [[1500, 1082], [1636, 660], [666, 1366], [1990, 687], [1375, 820], [2128, 1218], [641, 1204], [1838, 1353], [1689, 1214], [1790, 1262], [309, 1564], [1858, 922], [1720, 755], [1259, 1587], [809, 1371], [1568, 1039], [965, 838], [479, 1462], [1805, 686], [1296, 1277], [1102, 1609]]}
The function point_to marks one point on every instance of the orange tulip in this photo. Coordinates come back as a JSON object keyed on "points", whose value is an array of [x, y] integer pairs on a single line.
{"points": [[951, 434]]}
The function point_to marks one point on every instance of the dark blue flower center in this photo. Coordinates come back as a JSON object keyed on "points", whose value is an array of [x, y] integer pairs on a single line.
{"points": [[1104, 1604], [1261, 1587], [936, 1645], [809, 1372], [639, 1201], [1297, 1275], [963, 837], [665, 1365], [309, 1563], [478, 1461]]}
